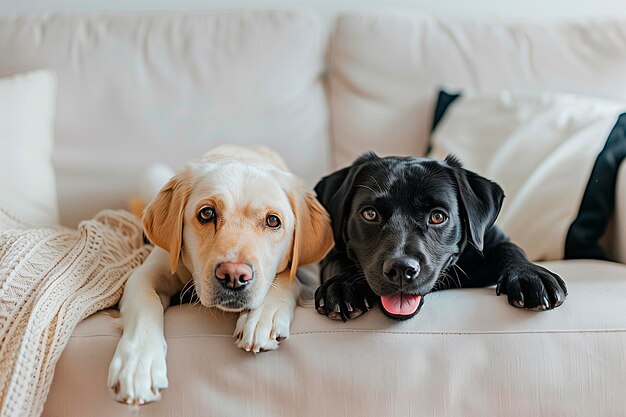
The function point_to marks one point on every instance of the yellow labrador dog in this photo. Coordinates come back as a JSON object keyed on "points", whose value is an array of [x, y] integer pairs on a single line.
{"points": [[238, 224]]}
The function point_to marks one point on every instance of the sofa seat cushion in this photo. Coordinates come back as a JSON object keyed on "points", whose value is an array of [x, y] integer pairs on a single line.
{"points": [[466, 351]]}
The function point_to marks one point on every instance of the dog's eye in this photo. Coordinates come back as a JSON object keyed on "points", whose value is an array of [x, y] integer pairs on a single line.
{"points": [[370, 214], [272, 221], [206, 214], [438, 217]]}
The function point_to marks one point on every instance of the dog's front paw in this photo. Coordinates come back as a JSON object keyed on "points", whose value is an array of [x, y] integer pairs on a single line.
{"points": [[138, 371], [344, 299], [263, 328], [532, 287]]}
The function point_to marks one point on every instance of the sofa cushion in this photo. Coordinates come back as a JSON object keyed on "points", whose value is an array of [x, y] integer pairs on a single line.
{"points": [[136, 89], [27, 185], [555, 155], [467, 351], [386, 69]]}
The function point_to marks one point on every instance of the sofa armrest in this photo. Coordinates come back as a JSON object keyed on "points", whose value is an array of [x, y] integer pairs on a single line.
{"points": [[619, 232]]}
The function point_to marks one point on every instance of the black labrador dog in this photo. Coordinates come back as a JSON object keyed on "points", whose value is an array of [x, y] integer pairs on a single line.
{"points": [[407, 226]]}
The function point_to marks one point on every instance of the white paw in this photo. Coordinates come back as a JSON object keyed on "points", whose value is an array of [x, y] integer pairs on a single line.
{"points": [[138, 372], [263, 328]]}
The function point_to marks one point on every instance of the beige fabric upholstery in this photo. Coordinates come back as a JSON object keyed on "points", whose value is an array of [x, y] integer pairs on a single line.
{"points": [[385, 71], [137, 89], [466, 352]]}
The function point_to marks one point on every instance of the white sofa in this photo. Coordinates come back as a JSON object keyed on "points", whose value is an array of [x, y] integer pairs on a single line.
{"points": [[134, 89]]}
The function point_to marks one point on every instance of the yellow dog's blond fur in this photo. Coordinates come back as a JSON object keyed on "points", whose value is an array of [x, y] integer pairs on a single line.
{"points": [[244, 186]]}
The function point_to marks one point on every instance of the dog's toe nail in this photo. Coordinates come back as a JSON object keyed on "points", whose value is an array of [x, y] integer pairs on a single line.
{"points": [[334, 316], [559, 300], [546, 302], [337, 309], [356, 313], [321, 302], [366, 303], [349, 306]]}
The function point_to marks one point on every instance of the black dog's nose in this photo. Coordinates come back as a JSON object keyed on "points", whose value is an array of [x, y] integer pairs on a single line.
{"points": [[401, 268]]}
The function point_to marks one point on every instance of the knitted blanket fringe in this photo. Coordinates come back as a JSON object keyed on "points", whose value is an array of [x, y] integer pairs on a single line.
{"points": [[50, 279]]}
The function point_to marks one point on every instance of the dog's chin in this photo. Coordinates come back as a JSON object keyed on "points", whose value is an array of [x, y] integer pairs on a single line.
{"points": [[227, 302], [230, 308]]}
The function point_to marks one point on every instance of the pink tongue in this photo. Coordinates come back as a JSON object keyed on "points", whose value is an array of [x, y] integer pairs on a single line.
{"points": [[401, 304]]}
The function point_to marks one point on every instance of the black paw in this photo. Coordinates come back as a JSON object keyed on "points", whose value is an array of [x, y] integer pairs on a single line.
{"points": [[344, 299], [532, 287]]}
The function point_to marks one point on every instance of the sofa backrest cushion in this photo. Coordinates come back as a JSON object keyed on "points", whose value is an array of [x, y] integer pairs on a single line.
{"points": [[27, 184], [386, 69], [136, 89]]}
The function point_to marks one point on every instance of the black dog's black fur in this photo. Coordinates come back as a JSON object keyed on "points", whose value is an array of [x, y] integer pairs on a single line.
{"points": [[465, 250]]}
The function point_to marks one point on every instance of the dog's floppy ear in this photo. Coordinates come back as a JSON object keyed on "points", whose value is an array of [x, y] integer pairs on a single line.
{"points": [[335, 192], [313, 235], [480, 201], [163, 217]]}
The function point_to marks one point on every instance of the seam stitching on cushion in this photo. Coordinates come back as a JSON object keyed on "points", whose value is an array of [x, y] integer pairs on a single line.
{"points": [[521, 332]]}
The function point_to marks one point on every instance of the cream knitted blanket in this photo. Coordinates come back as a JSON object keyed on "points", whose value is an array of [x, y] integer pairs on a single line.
{"points": [[50, 279]]}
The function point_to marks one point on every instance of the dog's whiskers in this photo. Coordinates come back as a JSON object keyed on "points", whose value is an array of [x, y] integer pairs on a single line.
{"points": [[366, 187], [194, 295], [457, 267], [380, 189], [444, 280], [188, 285], [458, 279]]}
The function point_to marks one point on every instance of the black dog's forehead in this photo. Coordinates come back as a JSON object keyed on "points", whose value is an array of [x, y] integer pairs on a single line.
{"points": [[406, 179]]}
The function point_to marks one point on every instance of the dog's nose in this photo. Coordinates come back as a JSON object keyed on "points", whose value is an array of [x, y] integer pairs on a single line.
{"points": [[401, 268], [234, 275]]}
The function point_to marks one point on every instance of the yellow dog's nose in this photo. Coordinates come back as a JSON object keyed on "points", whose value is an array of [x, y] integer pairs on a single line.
{"points": [[234, 275]]}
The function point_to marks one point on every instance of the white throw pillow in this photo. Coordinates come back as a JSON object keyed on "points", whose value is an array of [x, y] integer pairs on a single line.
{"points": [[547, 151], [27, 184]]}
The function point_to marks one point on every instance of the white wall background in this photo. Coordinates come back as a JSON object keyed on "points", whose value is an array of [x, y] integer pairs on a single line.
{"points": [[507, 9]]}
